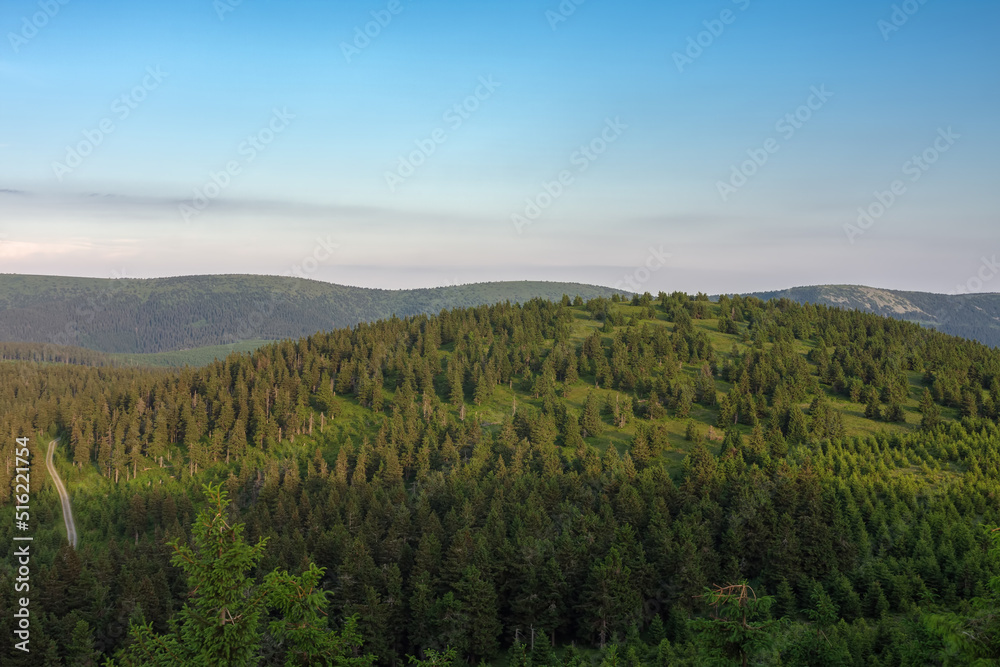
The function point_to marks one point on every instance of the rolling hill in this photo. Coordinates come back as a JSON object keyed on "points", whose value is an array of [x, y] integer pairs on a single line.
{"points": [[557, 467], [972, 316], [155, 315]]}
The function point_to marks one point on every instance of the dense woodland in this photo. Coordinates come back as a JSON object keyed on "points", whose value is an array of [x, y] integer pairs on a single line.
{"points": [[131, 315], [660, 481], [975, 316]]}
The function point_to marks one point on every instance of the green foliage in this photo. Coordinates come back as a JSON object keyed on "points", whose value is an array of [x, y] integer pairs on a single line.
{"points": [[434, 658], [973, 639], [972, 316], [739, 628], [470, 524], [222, 622], [129, 315]]}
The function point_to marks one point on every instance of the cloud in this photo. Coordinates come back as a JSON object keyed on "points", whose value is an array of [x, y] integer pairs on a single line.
{"points": [[25, 250]]}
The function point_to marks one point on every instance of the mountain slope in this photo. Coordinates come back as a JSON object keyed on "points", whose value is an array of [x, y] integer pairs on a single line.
{"points": [[162, 314], [973, 316], [525, 464]]}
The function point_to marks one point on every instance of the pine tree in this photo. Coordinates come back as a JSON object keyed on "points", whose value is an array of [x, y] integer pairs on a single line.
{"points": [[639, 450], [872, 408], [654, 408], [657, 632], [221, 623], [798, 430], [610, 602], [591, 421], [875, 602], [684, 402], [518, 655], [732, 443], [434, 658], [79, 446], [931, 413], [573, 439], [81, 651], [236, 443], [785, 602], [457, 392], [484, 390], [691, 432], [572, 375], [421, 605], [894, 413], [479, 604], [451, 624], [824, 612], [543, 652], [738, 629]]}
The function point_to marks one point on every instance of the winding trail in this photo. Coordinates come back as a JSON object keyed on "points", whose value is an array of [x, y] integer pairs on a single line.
{"points": [[63, 495]]}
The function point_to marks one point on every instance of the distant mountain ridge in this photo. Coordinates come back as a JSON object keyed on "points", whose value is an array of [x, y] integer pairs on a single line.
{"points": [[132, 315], [973, 316]]}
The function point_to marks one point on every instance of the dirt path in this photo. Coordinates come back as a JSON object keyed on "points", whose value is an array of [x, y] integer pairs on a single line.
{"points": [[67, 510]]}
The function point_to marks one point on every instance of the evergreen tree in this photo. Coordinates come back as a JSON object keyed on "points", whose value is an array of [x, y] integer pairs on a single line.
{"points": [[611, 603], [931, 413], [484, 390], [798, 431], [479, 602], [738, 629], [591, 421], [640, 451], [221, 623], [872, 408]]}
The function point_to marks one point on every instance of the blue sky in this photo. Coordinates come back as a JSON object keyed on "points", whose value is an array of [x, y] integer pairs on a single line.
{"points": [[488, 104]]}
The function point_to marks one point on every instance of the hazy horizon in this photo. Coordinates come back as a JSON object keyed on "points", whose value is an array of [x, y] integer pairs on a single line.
{"points": [[454, 282]]}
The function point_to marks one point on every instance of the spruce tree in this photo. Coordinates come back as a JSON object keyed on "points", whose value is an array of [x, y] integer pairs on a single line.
{"points": [[798, 430], [738, 629], [930, 412], [591, 421], [479, 607], [221, 623]]}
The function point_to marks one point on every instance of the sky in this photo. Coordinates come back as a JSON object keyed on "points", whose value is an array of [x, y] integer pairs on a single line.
{"points": [[716, 146]]}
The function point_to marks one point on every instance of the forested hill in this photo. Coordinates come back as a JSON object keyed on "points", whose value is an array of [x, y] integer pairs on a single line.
{"points": [[972, 316], [163, 314], [668, 481]]}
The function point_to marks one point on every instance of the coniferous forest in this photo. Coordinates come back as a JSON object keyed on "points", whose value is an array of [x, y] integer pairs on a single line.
{"points": [[657, 480]]}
